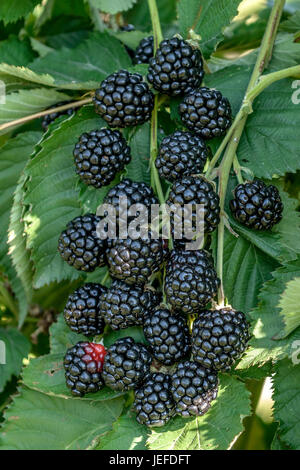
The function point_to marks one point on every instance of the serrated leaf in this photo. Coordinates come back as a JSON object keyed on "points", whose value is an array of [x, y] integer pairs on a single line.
{"points": [[15, 348], [12, 10], [61, 337], [13, 51], [215, 430], [25, 102], [267, 321], [130, 38], [287, 402], [126, 434], [207, 18], [52, 195], [139, 141], [112, 6], [290, 307], [292, 25], [86, 65], [46, 374], [24, 75], [36, 421]]}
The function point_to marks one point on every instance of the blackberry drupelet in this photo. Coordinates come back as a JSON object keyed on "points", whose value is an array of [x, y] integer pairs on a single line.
{"points": [[124, 99], [181, 154], [49, 118], [134, 261], [206, 112], [176, 68], [144, 51], [82, 312], [126, 364], [219, 338], [193, 389], [83, 365], [99, 155], [122, 305], [168, 336], [153, 403], [191, 280], [192, 191], [79, 244], [257, 205]]}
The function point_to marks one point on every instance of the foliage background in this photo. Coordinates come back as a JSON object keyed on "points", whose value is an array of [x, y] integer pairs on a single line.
{"points": [[55, 51]]}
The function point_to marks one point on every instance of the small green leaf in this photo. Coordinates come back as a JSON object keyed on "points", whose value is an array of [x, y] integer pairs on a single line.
{"points": [[290, 307], [14, 347], [112, 6], [61, 337], [139, 141], [12, 10], [13, 51]]}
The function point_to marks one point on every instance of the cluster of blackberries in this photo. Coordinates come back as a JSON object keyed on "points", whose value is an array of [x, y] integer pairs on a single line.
{"points": [[187, 342]]}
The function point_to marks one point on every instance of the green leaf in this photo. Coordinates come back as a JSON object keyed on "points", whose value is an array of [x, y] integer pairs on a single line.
{"points": [[24, 75], [46, 374], [246, 269], [12, 10], [268, 323], [292, 25], [36, 421], [290, 307], [112, 6], [207, 18], [13, 51], [139, 141], [25, 102], [86, 65], [61, 337], [126, 434], [130, 38], [287, 402], [52, 195], [135, 332], [16, 348], [215, 430]]}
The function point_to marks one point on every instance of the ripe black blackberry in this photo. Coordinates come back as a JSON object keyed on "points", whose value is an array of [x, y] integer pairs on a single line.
{"points": [[134, 261], [181, 154], [191, 280], [83, 365], [192, 191], [219, 338], [176, 68], [124, 99], [168, 336], [257, 205], [79, 244], [193, 389], [153, 403], [82, 313], [99, 155], [126, 364], [144, 51], [49, 118], [206, 112], [122, 305]]}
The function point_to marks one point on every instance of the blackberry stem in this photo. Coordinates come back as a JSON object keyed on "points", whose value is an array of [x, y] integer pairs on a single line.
{"points": [[157, 34], [238, 170], [262, 61]]}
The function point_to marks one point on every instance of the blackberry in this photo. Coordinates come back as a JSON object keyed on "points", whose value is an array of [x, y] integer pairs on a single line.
{"points": [[191, 280], [257, 205], [193, 389], [99, 155], [49, 118], [83, 365], [167, 335], [79, 244], [82, 312], [122, 305], [219, 338], [126, 364], [181, 154], [206, 112], [176, 67], [134, 261], [193, 191], [144, 51], [153, 403], [124, 99]]}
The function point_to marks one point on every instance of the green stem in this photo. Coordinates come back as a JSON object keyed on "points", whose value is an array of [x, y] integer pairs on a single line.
{"points": [[157, 34], [8, 300], [270, 78], [263, 58], [238, 170]]}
